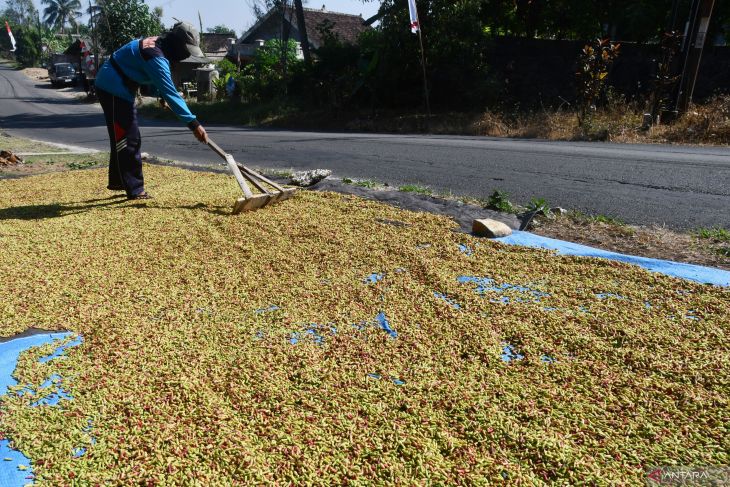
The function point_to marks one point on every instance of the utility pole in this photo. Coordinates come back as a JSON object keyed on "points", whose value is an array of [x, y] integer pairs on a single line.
{"points": [[285, 32], [200, 21], [699, 22], [40, 36], [304, 38], [94, 41]]}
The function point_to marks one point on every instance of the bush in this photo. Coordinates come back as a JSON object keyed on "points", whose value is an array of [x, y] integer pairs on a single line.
{"points": [[28, 52], [594, 62]]}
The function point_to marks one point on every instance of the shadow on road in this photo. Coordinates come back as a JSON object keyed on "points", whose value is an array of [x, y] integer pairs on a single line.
{"points": [[38, 121]]}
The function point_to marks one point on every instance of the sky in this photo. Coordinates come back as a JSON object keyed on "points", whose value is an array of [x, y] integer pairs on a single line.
{"points": [[237, 13]]}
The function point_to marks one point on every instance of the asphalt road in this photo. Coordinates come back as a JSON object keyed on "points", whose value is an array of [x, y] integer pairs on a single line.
{"points": [[682, 187]]}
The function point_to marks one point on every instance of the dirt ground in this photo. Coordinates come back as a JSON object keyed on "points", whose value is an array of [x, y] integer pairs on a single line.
{"points": [[37, 74], [655, 242], [41, 76]]}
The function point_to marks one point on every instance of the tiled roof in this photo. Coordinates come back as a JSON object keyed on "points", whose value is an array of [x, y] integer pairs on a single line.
{"points": [[215, 42], [347, 27]]}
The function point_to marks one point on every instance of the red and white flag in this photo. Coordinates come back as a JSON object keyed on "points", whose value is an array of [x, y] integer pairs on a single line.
{"points": [[415, 26], [10, 34], [86, 55]]}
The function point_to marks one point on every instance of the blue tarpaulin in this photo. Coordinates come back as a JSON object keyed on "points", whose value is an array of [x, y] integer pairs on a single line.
{"points": [[15, 468], [705, 275]]}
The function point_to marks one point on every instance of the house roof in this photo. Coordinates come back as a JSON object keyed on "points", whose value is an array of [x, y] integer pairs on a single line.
{"points": [[347, 27], [213, 42]]}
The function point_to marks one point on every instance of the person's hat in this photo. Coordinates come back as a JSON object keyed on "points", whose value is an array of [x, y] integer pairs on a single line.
{"points": [[186, 33]]}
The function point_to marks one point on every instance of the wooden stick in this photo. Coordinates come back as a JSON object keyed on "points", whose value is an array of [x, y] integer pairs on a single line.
{"points": [[233, 167], [259, 176], [255, 182]]}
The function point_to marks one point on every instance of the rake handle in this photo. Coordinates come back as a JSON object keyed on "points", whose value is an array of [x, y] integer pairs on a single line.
{"points": [[217, 149], [233, 167], [256, 175]]}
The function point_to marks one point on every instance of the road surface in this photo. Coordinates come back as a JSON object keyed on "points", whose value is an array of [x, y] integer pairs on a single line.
{"points": [[682, 187]]}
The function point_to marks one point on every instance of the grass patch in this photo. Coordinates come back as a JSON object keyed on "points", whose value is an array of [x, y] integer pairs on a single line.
{"points": [[20, 144], [415, 188], [72, 161], [717, 234], [254, 349], [367, 183], [85, 164], [362, 183], [723, 251], [499, 201], [579, 216]]}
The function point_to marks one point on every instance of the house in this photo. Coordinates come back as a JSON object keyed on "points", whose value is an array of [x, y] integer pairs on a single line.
{"points": [[346, 27], [216, 46]]}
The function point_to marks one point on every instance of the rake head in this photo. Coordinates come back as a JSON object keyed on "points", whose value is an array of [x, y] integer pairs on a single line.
{"points": [[253, 203], [243, 176]]}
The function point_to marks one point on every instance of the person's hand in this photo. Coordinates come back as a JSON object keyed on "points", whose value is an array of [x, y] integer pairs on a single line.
{"points": [[201, 134]]}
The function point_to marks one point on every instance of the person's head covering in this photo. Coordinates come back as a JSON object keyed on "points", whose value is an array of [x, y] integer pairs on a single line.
{"points": [[181, 42]]}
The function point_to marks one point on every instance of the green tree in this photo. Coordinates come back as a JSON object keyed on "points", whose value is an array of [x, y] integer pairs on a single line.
{"points": [[28, 51], [123, 20], [220, 29], [49, 39], [260, 8], [20, 12], [94, 12], [263, 78], [59, 13]]}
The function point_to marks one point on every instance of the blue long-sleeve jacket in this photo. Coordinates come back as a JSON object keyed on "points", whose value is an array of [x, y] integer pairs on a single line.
{"points": [[147, 66]]}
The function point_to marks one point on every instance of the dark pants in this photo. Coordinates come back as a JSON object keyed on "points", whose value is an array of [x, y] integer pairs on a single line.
{"points": [[125, 161]]}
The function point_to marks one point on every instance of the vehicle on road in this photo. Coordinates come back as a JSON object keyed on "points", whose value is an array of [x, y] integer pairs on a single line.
{"points": [[62, 73]]}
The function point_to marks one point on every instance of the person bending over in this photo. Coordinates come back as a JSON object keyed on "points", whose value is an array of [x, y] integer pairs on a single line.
{"points": [[142, 62]]}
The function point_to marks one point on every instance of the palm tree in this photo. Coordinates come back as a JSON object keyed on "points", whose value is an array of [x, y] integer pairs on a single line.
{"points": [[94, 12], [58, 13]]}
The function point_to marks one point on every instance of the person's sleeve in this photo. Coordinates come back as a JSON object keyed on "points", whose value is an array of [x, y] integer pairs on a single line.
{"points": [[159, 70]]}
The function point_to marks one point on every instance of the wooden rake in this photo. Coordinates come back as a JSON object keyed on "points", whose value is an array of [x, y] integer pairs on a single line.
{"points": [[242, 173]]}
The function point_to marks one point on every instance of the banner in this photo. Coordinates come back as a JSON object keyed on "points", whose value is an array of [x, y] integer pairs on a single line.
{"points": [[10, 34], [415, 26]]}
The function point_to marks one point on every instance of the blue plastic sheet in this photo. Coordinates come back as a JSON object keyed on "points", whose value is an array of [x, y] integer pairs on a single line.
{"points": [[509, 354], [385, 325], [705, 275], [485, 284], [450, 301], [373, 278], [11, 461]]}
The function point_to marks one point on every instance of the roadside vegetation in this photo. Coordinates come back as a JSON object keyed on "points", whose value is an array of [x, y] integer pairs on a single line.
{"points": [[707, 122]]}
